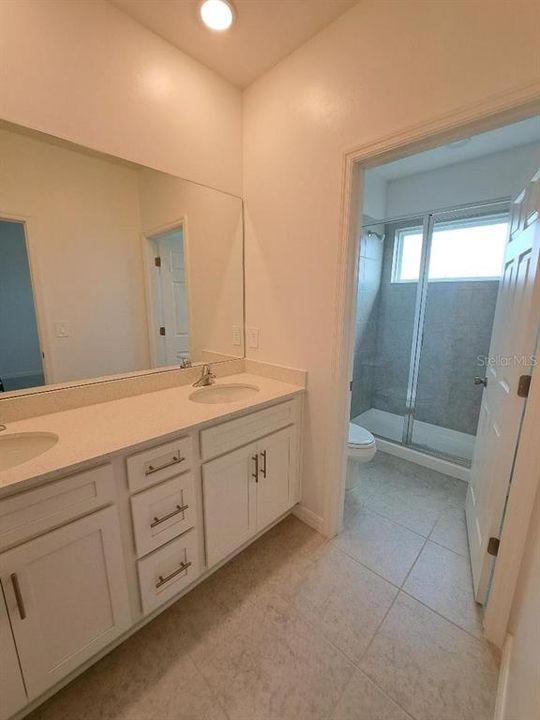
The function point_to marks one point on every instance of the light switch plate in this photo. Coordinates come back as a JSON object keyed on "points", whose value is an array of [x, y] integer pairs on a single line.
{"points": [[236, 335], [253, 337]]}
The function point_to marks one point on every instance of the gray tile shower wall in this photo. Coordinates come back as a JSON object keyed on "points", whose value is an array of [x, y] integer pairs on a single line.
{"points": [[459, 320], [458, 324]]}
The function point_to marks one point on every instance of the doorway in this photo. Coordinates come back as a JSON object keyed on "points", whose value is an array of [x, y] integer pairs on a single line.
{"points": [[21, 361], [414, 244], [170, 316]]}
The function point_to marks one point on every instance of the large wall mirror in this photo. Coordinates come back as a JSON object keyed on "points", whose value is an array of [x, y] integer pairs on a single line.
{"points": [[107, 267]]}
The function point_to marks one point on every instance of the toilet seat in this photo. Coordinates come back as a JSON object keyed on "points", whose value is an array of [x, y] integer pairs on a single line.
{"points": [[361, 445], [360, 437]]}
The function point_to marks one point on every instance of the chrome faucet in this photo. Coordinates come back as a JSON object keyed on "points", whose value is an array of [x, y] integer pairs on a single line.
{"points": [[207, 377]]}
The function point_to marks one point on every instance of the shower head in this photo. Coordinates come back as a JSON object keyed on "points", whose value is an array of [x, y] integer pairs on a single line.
{"points": [[372, 233]]}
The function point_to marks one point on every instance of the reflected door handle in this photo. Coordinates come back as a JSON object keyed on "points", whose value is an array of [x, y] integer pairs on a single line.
{"points": [[480, 381]]}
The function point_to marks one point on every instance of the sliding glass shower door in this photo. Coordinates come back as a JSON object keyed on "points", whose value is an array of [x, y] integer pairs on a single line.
{"points": [[385, 326], [462, 278], [426, 301]]}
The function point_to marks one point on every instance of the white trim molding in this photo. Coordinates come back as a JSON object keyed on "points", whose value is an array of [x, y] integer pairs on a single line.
{"points": [[502, 686], [489, 113], [309, 517]]}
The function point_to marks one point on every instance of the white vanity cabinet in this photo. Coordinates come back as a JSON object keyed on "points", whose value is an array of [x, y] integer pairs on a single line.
{"points": [[66, 596], [88, 558], [247, 489], [12, 692]]}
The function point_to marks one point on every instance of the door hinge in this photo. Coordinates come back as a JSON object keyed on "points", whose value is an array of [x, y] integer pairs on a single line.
{"points": [[493, 546], [157, 261], [162, 330], [350, 386], [524, 385]]}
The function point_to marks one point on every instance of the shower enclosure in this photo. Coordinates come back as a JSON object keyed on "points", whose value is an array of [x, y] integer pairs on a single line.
{"points": [[425, 307]]}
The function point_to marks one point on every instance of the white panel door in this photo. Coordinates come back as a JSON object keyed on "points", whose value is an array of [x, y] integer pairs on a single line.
{"points": [[515, 332], [66, 595], [174, 296], [230, 511], [12, 692], [276, 476]]}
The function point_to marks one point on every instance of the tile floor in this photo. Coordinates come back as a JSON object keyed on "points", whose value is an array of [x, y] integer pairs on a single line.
{"points": [[377, 624]]}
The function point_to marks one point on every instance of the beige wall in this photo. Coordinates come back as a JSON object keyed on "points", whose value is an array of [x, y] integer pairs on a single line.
{"points": [[380, 68], [523, 688], [84, 71], [83, 232], [213, 240], [499, 175]]}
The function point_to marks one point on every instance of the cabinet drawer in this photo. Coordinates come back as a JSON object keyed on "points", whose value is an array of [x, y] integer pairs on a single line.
{"points": [[227, 436], [163, 512], [168, 571], [158, 463], [33, 512]]}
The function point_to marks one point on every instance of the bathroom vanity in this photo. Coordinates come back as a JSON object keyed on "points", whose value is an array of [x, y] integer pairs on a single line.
{"points": [[139, 500]]}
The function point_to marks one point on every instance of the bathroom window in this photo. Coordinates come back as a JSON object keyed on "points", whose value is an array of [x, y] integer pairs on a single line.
{"points": [[461, 250]]}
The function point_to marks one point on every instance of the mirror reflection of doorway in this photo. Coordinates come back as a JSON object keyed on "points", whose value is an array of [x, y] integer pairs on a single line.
{"points": [[171, 303], [20, 354]]}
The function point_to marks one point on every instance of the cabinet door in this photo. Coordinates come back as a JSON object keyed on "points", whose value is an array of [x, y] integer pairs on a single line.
{"points": [[12, 692], [277, 463], [229, 502], [66, 595]]}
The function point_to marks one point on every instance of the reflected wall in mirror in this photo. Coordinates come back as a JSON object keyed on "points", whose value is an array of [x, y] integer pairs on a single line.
{"points": [[107, 267]]}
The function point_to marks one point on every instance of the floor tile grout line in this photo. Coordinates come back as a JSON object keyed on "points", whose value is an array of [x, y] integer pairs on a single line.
{"points": [[440, 544], [481, 640], [356, 663], [366, 567], [379, 688], [367, 508], [372, 679], [414, 563]]}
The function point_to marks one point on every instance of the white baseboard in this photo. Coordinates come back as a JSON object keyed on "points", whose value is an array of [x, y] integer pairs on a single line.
{"points": [[502, 686], [433, 463], [309, 517]]}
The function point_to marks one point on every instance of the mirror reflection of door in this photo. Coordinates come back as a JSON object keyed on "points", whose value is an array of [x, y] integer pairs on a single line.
{"points": [[20, 354], [172, 301]]}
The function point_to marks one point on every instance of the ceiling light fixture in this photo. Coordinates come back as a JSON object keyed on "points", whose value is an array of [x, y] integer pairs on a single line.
{"points": [[217, 15]]}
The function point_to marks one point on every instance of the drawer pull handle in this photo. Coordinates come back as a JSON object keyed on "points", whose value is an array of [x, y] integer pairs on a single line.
{"points": [[176, 511], [162, 580], [175, 460], [18, 596], [263, 469], [255, 475]]}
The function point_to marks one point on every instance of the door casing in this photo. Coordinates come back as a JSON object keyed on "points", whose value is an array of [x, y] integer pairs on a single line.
{"points": [[492, 113]]}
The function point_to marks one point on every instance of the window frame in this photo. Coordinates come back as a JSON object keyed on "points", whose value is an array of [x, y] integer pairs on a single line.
{"points": [[399, 234]]}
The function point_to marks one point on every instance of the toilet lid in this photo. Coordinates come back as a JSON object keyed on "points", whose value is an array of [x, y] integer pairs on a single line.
{"points": [[359, 435]]}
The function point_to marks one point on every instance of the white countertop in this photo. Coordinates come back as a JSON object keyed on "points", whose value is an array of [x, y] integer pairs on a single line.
{"points": [[95, 431]]}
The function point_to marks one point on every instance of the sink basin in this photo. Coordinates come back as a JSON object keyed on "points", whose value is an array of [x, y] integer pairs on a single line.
{"points": [[16, 448], [223, 393]]}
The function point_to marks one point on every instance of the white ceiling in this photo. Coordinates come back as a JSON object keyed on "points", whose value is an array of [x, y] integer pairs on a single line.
{"points": [[265, 31], [504, 138]]}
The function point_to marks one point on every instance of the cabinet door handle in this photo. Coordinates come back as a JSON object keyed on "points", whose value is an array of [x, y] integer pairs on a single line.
{"points": [[176, 511], [255, 475], [152, 468], [18, 596], [263, 469], [162, 580]]}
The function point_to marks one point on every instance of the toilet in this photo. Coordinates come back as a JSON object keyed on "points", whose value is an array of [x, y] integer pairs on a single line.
{"points": [[361, 447]]}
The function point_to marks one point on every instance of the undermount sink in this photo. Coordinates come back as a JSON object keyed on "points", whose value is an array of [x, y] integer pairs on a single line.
{"points": [[17, 448], [223, 393]]}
